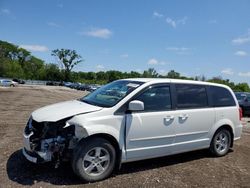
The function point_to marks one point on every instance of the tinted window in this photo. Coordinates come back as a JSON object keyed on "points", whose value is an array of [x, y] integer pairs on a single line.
{"points": [[191, 96], [221, 97], [156, 98]]}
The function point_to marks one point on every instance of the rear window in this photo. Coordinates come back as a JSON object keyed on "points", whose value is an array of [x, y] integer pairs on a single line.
{"points": [[221, 97], [191, 96]]}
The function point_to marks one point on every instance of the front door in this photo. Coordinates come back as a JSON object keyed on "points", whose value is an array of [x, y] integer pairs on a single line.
{"points": [[150, 133]]}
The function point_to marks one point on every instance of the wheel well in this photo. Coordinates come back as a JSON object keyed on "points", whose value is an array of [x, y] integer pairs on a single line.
{"points": [[114, 143], [229, 128]]}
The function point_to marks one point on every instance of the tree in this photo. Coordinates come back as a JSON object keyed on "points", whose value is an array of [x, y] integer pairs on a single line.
{"points": [[32, 67], [150, 73], [52, 72], [173, 74], [68, 58], [242, 87], [114, 75]]}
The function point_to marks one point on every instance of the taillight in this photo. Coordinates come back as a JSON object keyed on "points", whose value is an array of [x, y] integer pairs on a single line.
{"points": [[240, 113]]}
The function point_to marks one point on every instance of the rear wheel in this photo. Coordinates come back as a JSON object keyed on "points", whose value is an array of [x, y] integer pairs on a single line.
{"points": [[221, 142], [94, 160]]}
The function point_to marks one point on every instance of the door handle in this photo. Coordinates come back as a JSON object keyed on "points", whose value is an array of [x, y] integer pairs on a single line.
{"points": [[183, 116], [168, 118]]}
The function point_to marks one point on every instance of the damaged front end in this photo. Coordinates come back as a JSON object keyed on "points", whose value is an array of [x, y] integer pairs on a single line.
{"points": [[48, 141]]}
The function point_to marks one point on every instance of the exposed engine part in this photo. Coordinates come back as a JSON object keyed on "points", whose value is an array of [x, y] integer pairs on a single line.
{"points": [[52, 141], [50, 148]]}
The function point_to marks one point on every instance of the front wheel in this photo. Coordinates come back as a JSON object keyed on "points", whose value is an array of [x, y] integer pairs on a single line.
{"points": [[94, 160], [221, 142]]}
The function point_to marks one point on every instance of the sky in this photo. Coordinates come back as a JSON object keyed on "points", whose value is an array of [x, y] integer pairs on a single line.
{"points": [[210, 38]]}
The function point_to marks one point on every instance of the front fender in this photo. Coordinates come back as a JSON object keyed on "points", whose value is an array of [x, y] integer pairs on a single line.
{"points": [[85, 131]]}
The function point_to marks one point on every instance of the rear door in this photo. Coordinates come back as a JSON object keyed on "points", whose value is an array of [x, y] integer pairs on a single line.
{"points": [[194, 117]]}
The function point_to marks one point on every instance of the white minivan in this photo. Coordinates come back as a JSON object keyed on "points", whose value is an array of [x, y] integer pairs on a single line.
{"points": [[133, 119]]}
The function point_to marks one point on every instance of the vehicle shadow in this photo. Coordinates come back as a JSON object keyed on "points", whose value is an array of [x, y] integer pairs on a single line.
{"points": [[25, 173]]}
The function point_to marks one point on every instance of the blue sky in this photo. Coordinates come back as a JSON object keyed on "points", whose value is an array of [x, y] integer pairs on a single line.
{"points": [[210, 38]]}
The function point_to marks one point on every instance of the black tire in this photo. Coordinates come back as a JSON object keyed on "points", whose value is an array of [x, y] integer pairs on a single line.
{"points": [[84, 150], [218, 146]]}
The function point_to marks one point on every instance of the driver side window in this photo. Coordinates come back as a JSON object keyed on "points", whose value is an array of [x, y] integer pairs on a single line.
{"points": [[156, 99]]}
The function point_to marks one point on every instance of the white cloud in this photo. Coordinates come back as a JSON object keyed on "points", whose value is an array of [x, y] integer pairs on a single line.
{"points": [[53, 24], [124, 56], [182, 21], [5, 11], [99, 67], [152, 61], [179, 50], [175, 23], [35, 48], [227, 71], [171, 22], [244, 74], [103, 33], [240, 53], [157, 14], [242, 39]]}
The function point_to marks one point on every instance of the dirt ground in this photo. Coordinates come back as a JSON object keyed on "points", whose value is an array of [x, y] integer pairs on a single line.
{"points": [[193, 169]]}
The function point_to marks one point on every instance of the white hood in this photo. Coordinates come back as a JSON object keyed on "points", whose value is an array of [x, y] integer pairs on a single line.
{"points": [[62, 110]]}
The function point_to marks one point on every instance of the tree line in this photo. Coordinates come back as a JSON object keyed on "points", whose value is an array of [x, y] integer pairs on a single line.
{"points": [[16, 62]]}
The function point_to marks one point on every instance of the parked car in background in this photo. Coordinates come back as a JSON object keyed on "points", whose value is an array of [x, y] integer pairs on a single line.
{"points": [[67, 84], [19, 81], [92, 87], [8, 83], [146, 118], [83, 87], [74, 85], [54, 83], [244, 102]]}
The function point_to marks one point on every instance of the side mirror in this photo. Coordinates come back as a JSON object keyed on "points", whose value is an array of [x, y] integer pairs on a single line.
{"points": [[136, 105]]}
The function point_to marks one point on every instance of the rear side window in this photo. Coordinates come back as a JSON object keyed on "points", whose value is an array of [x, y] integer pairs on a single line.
{"points": [[221, 97], [156, 98], [191, 96]]}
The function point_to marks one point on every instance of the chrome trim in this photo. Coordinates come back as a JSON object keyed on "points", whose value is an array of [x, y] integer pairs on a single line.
{"points": [[29, 158], [151, 138], [26, 140]]}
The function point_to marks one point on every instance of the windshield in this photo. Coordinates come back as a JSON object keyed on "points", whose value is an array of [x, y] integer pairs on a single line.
{"points": [[110, 94]]}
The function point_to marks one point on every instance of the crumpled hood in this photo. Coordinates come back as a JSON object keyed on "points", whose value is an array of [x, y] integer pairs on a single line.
{"points": [[62, 110]]}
